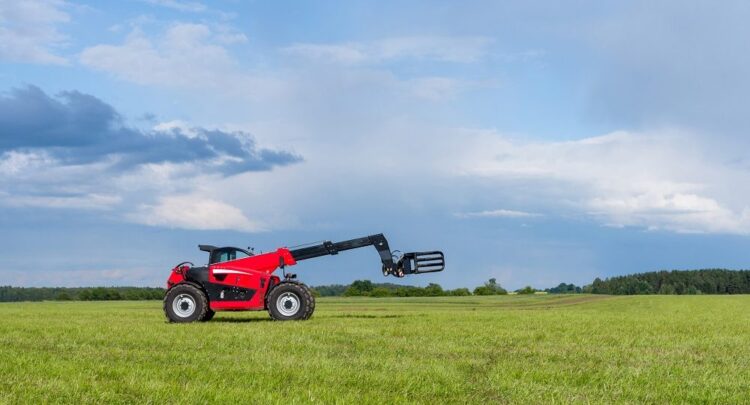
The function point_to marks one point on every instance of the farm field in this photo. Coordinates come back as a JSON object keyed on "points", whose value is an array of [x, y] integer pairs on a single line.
{"points": [[502, 349]]}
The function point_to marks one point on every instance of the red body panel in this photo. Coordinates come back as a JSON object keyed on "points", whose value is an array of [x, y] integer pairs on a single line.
{"points": [[175, 277], [253, 273]]}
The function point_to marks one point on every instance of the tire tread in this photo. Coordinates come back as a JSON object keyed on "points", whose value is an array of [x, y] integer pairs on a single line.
{"points": [[305, 295], [201, 301]]}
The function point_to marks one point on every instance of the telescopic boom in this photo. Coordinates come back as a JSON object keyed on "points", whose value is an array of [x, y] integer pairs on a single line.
{"points": [[407, 263]]}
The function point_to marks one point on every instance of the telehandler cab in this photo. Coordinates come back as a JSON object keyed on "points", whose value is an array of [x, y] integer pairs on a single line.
{"points": [[238, 280]]}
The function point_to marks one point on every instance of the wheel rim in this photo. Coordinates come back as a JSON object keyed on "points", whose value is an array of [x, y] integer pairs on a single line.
{"points": [[288, 304], [183, 305]]}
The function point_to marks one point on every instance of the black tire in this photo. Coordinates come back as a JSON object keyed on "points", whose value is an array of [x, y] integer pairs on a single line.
{"points": [[209, 315], [290, 301], [185, 303]]}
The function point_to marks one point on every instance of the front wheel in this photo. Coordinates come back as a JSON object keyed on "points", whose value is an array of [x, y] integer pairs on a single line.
{"points": [[185, 303], [290, 301]]}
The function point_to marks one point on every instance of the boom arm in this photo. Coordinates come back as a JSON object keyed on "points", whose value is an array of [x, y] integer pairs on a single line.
{"points": [[409, 263], [331, 248]]}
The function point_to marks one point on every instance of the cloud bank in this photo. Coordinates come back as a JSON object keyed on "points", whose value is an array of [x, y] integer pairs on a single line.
{"points": [[76, 151], [29, 31], [498, 213], [75, 128], [441, 49], [668, 180]]}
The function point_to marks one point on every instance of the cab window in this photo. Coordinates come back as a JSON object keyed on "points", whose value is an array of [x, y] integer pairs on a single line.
{"points": [[225, 255]]}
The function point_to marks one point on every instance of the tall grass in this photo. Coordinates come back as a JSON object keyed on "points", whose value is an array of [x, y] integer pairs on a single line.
{"points": [[519, 349]]}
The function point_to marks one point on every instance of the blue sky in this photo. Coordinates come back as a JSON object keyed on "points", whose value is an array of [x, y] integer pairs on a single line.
{"points": [[534, 142]]}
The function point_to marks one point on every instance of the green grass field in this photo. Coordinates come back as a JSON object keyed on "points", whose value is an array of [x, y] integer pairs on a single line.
{"points": [[506, 349]]}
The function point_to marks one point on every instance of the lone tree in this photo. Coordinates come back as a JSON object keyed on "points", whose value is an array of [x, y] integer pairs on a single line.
{"points": [[491, 287], [434, 290], [359, 288], [526, 290]]}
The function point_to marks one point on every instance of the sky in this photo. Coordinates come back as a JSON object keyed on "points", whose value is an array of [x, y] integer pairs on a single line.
{"points": [[533, 142]]}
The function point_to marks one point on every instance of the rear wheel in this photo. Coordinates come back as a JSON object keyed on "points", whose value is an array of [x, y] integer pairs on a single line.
{"points": [[185, 303], [290, 301]]}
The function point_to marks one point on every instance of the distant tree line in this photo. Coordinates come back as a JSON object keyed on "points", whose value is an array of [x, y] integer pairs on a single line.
{"points": [[10, 294], [366, 288], [709, 281], [563, 288], [333, 290]]}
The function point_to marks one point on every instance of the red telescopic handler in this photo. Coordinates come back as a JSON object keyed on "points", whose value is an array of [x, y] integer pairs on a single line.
{"points": [[238, 280]]}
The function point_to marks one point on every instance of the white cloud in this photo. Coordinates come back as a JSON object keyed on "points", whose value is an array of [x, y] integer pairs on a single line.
{"points": [[194, 212], [105, 165], [436, 88], [445, 49], [187, 6], [156, 194], [498, 213], [169, 194], [185, 56], [29, 31], [688, 213], [91, 201], [227, 35], [14, 163], [342, 53], [665, 180], [35, 179], [197, 57], [190, 56], [177, 126]]}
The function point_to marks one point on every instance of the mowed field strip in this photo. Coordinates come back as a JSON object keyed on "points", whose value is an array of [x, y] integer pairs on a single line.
{"points": [[500, 349]]}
